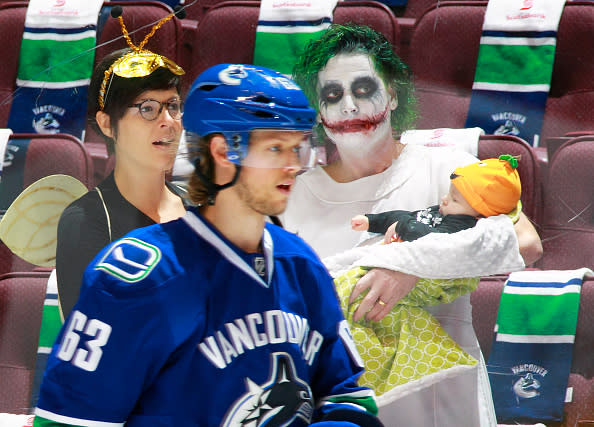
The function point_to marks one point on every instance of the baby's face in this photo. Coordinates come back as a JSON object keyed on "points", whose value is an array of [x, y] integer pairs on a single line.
{"points": [[454, 203]]}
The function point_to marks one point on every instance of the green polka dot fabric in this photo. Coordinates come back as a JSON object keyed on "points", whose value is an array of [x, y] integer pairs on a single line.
{"points": [[409, 343]]}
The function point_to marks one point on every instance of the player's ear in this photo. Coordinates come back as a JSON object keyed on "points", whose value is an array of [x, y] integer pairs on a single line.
{"points": [[218, 151]]}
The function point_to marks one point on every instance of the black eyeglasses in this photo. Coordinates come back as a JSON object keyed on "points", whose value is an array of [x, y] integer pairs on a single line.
{"points": [[150, 109]]}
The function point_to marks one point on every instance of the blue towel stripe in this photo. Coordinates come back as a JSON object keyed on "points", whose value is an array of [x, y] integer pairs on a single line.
{"points": [[47, 30], [315, 22], [527, 34], [574, 281]]}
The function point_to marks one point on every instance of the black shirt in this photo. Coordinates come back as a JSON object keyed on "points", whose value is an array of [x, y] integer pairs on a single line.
{"points": [[83, 231], [412, 225]]}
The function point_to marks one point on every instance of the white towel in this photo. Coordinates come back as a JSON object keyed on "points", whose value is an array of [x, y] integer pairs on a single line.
{"points": [[4, 137], [463, 139]]}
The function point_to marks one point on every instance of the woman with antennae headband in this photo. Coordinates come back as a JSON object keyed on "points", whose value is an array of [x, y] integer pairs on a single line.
{"points": [[135, 105]]}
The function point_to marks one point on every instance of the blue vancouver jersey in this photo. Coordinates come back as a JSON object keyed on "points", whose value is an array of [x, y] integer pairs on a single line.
{"points": [[175, 327]]}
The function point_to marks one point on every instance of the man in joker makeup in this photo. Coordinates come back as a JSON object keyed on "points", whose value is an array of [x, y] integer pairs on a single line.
{"points": [[364, 97]]}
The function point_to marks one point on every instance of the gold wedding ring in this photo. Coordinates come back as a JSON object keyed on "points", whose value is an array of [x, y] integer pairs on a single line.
{"points": [[380, 302]]}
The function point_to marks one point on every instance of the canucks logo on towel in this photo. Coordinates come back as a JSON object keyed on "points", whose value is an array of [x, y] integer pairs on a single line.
{"points": [[278, 402], [45, 119], [130, 259], [528, 385]]}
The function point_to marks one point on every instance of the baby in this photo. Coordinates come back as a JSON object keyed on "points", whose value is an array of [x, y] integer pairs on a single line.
{"points": [[409, 348], [486, 188]]}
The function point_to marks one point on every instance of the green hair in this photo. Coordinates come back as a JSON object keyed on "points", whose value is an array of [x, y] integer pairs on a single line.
{"points": [[352, 38]]}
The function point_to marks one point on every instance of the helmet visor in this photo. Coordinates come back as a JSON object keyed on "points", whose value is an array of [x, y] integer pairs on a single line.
{"points": [[276, 149]]}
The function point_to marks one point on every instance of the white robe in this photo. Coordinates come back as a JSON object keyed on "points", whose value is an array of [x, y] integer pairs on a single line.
{"points": [[320, 210]]}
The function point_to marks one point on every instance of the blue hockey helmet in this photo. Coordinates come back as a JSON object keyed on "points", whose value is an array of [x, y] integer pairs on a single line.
{"points": [[234, 99]]}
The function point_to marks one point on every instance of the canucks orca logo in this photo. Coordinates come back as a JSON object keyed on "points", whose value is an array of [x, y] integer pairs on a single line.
{"points": [[130, 259], [233, 74], [46, 123], [508, 128], [278, 402], [527, 387]]}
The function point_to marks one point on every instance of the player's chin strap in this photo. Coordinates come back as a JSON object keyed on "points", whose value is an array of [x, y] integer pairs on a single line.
{"points": [[212, 188]]}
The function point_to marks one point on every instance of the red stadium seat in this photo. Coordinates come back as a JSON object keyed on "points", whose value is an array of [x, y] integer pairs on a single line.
{"points": [[46, 155], [12, 23], [21, 304], [227, 31], [443, 53], [571, 98], [568, 216]]}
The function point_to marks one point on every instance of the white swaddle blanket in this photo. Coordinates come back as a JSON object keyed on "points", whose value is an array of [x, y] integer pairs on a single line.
{"points": [[490, 247]]}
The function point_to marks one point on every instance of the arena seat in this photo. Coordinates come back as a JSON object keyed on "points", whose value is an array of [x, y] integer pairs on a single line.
{"points": [[139, 17], [571, 98], [443, 54], [227, 31], [485, 304], [12, 23], [196, 10], [45, 155], [528, 168], [568, 216], [21, 304]]}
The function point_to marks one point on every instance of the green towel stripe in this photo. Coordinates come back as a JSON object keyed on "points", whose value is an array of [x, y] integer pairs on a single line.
{"points": [[44, 422], [50, 325], [366, 402], [51, 60], [538, 314], [523, 64], [279, 51]]}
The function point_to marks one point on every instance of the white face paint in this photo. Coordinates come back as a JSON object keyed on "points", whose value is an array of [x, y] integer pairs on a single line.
{"points": [[354, 103]]}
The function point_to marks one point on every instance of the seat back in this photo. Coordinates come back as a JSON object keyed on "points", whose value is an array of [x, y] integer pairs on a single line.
{"points": [[443, 54], [491, 146], [45, 155], [139, 17], [227, 31], [21, 305], [568, 216], [485, 304], [55, 154], [12, 24], [571, 97], [197, 10]]}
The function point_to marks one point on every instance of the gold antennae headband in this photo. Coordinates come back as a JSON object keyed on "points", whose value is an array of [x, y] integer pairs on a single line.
{"points": [[138, 63]]}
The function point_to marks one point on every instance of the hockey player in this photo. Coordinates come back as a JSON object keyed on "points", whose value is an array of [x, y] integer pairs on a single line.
{"points": [[219, 318]]}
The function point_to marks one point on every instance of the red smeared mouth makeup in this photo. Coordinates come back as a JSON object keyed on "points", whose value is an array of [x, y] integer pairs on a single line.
{"points": [[356, 125]]}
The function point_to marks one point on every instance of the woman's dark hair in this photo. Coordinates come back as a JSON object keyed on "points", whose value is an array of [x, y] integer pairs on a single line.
{"points": [[121, 91], [352, 38]]}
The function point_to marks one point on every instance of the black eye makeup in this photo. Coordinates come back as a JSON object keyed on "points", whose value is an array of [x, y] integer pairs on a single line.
{"points": [[364, 87], [331, 93]]}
